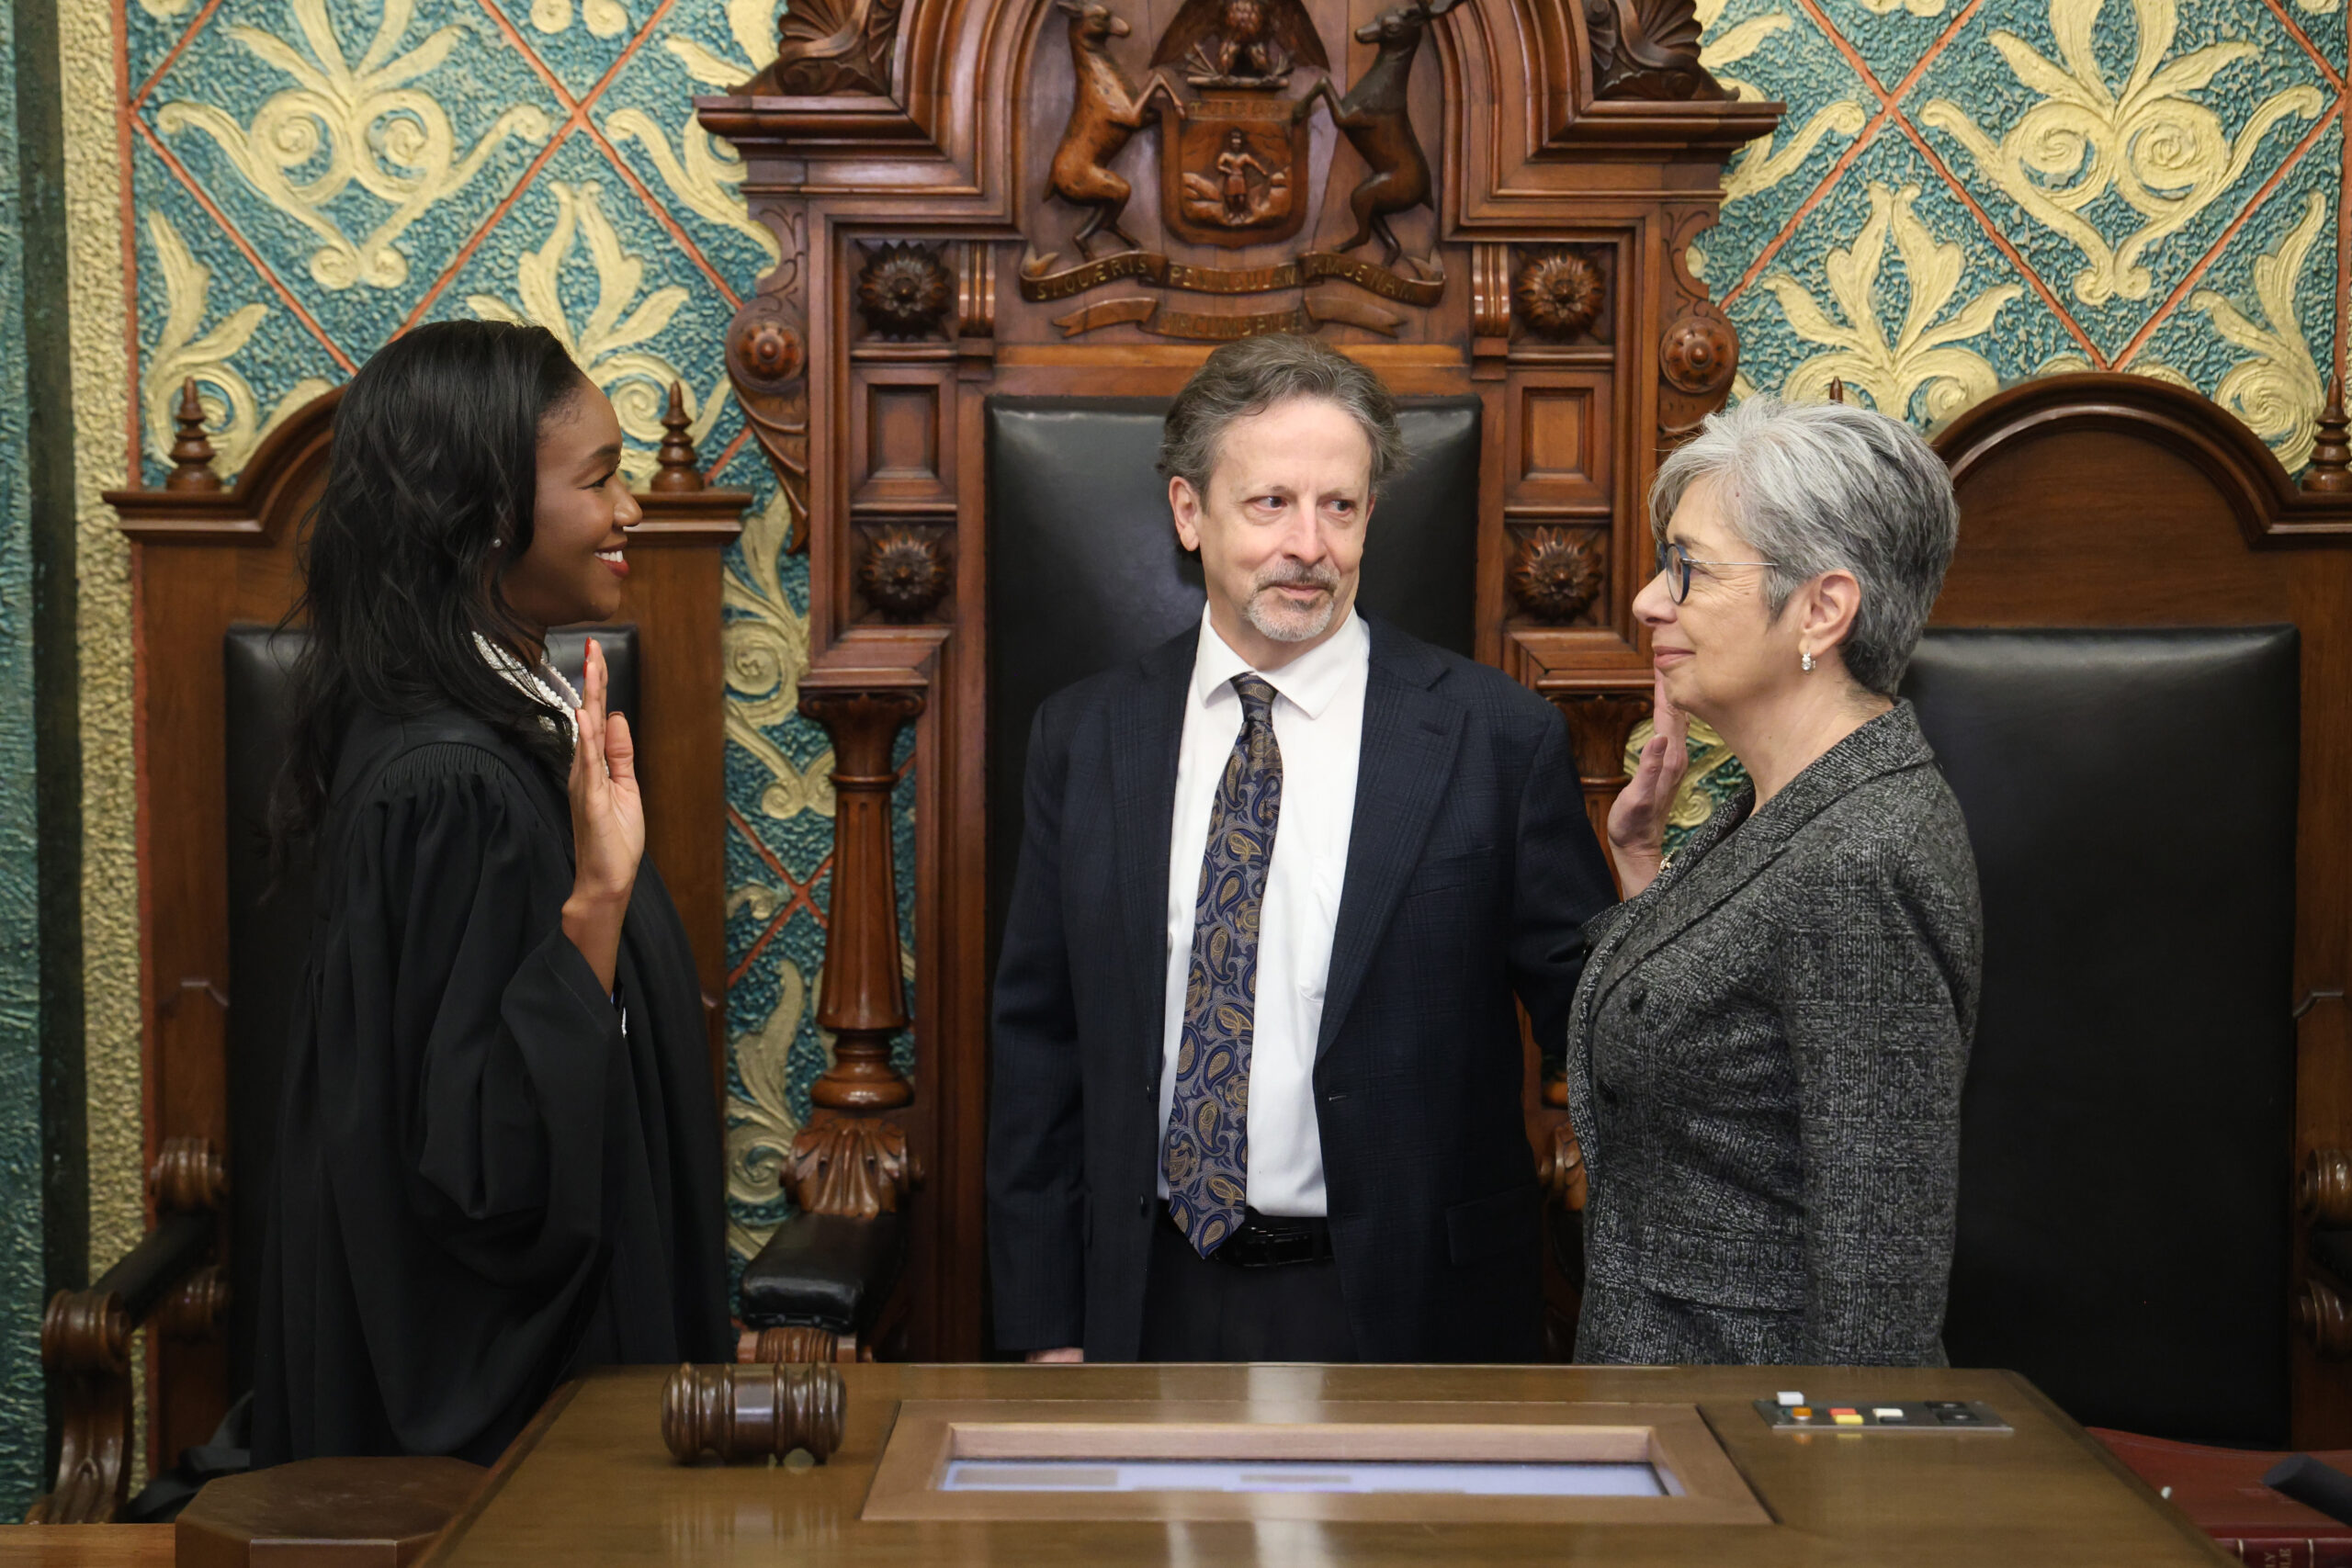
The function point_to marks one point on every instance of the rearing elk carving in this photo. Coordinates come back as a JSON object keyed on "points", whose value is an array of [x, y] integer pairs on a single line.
{"points": [[1373, 117], [1107, 112]]}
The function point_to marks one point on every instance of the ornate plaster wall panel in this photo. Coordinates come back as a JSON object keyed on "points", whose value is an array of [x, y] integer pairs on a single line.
{"points": [[21, 1412], [1966, 195]]}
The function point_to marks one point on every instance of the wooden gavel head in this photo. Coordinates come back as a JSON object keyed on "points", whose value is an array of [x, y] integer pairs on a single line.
{"points": [[755, 1411]]}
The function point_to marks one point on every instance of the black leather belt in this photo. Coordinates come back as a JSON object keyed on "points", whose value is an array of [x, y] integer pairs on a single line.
{"points": [[1267, 1241]]}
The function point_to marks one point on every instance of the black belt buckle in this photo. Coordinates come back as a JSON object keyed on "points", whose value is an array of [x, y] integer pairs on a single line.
{"points": [[1258, 1244]]}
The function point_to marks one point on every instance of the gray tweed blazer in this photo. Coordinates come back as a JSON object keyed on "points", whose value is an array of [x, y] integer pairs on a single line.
{"points": [[1765, 1059]]}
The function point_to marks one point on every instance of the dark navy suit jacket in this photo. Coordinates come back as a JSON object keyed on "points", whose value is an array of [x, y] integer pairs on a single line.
{"points": [[1471, 870]]}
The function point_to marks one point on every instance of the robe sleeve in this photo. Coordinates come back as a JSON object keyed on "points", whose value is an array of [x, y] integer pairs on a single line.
{"points": [[468, 1065]]}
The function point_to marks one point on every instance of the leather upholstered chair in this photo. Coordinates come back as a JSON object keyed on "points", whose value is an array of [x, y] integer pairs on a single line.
{"points": [[2125, 1238], [1088, 573], [219, 951]]}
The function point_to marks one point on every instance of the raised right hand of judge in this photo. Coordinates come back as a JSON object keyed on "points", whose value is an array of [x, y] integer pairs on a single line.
{"points": [[1637, 818], [607, 825]]}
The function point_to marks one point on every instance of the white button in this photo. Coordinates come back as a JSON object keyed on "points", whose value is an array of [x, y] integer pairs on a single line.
{"points": [[1887, 1412], [1792, 1398]]}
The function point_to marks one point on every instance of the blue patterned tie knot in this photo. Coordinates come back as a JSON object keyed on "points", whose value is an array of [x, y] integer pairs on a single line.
{"points": [[1206, 1154]]}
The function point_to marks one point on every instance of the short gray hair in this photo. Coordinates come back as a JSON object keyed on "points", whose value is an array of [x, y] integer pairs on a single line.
{"points": [[1251, 375], [1829, 487]]}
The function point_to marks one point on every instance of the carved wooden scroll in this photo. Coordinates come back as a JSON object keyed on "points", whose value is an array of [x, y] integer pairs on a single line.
{"points": [[166, 1283]]}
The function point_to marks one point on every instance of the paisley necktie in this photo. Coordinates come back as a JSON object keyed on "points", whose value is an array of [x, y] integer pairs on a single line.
{"points": [[1207, 1150]]}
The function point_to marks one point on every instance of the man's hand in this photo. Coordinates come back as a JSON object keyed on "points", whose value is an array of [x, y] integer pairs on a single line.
{"points": [[1069, 1355], [1637, 818]]}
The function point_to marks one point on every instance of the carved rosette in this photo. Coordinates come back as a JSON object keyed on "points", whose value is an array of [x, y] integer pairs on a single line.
{"points": [[1560, 293], [904, 574], [1698, 352], [904, 290], [852, 1165], [1555, 575]]}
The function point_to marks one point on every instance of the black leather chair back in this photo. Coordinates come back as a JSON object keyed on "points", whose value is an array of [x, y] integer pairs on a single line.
{"points": [[2128, 1120], [269, 923], [1084, 569]]}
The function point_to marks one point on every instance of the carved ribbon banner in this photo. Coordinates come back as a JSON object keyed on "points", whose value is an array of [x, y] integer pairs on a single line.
{"points": [[1311, 268], [1302, 317]]}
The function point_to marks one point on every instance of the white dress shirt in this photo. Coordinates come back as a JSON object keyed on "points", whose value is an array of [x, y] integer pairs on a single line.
{"points": [[1318, 725]]}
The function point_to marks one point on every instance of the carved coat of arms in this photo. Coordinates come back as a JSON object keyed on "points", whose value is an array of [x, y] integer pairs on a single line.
{"points": [[1233, 166], [1233, 154]]}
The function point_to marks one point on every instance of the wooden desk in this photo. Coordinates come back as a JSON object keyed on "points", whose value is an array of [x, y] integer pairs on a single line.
{"points": [[590, 1482], [87, 1546]]}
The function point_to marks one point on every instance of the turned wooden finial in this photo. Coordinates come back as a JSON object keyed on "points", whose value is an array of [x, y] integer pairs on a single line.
{"points": [[2330, 468], [679, 468], [191, 453], [1837, 389]]}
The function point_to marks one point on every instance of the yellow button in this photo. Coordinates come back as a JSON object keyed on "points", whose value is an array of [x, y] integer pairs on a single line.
{"points": [[1847, 1420]]}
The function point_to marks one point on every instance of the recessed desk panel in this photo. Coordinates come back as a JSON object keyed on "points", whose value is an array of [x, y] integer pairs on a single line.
{"points": [[1295, 1465]]}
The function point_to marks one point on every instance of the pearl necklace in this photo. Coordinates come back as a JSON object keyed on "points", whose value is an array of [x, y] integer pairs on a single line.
{"points": [[534, 683]]}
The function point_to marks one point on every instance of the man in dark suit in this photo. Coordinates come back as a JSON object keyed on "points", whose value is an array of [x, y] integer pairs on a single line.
{"points": [[1257, 1082]]}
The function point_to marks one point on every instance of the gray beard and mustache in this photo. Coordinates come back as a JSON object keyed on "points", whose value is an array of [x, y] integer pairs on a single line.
{"points": [[1273, 618]]}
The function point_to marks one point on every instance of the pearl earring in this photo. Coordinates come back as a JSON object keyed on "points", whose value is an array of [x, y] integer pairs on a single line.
{"points": [[1807, 661]]}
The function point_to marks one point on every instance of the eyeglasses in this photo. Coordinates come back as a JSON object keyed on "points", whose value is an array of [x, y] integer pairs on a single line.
{"points": [[1676, 563]]}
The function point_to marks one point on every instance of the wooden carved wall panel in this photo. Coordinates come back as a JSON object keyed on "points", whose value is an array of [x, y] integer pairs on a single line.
{"points": [[1561, 461], [1081, 197]]}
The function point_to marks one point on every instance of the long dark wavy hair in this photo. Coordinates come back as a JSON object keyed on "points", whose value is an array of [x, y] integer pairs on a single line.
{"points": [[430, 486]]}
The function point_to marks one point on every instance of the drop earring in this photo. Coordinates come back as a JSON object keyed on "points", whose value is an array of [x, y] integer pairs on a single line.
{"points": [[1807, 661]]}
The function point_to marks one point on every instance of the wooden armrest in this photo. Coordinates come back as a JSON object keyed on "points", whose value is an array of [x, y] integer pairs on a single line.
{"points": [[1561, 1168], [168, 1282]]}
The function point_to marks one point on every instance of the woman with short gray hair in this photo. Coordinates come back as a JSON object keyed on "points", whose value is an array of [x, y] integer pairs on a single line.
{"points": [[1770, 1037]]}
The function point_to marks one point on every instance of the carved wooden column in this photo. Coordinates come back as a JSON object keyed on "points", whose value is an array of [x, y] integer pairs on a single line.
{"points": [[862, 999]]}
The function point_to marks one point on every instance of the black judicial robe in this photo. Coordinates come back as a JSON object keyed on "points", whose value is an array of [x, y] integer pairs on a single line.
{"points": [[489, 1176]]}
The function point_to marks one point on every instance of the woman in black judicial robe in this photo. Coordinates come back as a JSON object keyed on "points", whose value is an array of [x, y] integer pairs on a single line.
{"points": [[497, 1160]]}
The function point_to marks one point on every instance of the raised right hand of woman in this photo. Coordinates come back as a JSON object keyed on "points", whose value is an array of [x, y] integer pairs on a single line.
{"points": [[607, 825], [1637, 818]]}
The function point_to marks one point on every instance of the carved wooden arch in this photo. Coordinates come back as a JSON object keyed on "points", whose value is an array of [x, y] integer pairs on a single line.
{"points": [[2270, 507], [1615, 79]]}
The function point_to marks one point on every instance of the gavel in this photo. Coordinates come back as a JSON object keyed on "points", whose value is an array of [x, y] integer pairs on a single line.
{"points": [[747, 1412]]}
